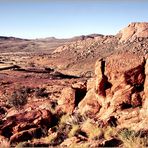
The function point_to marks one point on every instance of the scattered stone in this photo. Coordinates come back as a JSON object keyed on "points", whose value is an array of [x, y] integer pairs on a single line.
{"points": [[24, 125]]}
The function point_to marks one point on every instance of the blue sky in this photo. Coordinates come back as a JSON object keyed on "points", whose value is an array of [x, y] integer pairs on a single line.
{"points": [[63, 19]]}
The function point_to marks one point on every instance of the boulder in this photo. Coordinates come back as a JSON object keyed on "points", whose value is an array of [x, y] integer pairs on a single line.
{"points": [[79, 85], [80, 91], [66, 102], [26, 135], [90, 104], [134, 30], [14, 127]]}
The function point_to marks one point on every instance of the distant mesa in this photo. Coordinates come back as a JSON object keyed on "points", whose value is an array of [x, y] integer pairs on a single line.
{"points": [[3, 38], [7, 38], [133, 31], [84, 37]]}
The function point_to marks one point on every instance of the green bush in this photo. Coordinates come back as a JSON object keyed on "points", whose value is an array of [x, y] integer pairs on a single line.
{"points": [[19, 97]]}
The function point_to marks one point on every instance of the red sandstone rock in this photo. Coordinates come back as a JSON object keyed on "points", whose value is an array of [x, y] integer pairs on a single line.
{"points": [[67, 100], [90, 104], [26, 135], [17, 125], [119, 84], [90, 83], [79, 85], [126, 76]]}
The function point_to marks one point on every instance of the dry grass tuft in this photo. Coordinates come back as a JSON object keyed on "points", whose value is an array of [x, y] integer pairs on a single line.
{"points": [[91, 129], [131, 139]]}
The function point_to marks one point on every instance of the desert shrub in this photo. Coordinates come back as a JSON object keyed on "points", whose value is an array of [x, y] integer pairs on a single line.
{"points": [[64, 119], [41, 93], [91, 128], [19, 97], [70, 125], [75, 129], [126, 133], [60, 137], [109, 132], [74, 118], [77, 118], [131, 139]]}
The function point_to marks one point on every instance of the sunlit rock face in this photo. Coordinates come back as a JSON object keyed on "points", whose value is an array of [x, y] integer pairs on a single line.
{"points": [[118, 91], [133, 31]]}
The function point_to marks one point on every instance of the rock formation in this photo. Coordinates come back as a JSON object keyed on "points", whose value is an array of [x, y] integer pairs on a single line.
{"points": [[27, 125], [133, 31], [119, 91]]}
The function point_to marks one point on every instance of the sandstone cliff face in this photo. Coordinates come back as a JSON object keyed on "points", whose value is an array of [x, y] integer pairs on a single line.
{"points": [[134, 30], [119, 91]]}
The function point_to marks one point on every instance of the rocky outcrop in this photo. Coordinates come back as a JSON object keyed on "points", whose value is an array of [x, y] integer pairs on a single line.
{"points": [[90, 104], [27, 125], [71, 96], [133, 31], [118, 93]]}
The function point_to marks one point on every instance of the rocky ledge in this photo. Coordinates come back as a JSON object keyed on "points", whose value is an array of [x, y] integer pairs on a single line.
{"points": [[133, 31]]}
